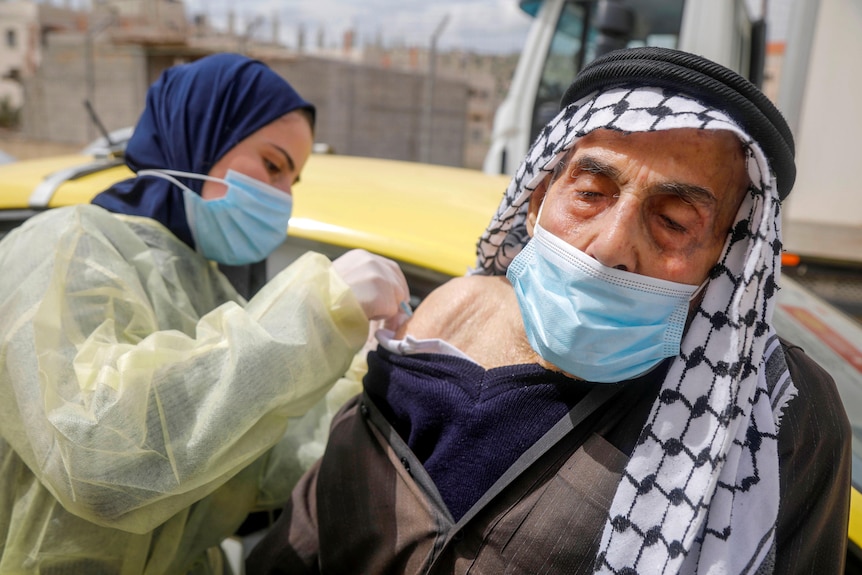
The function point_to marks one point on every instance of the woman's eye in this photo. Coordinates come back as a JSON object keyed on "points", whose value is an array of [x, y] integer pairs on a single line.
{"points": [[271, 167]]}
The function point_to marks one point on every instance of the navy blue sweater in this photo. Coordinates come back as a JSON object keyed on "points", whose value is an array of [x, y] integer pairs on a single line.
{"points": [[465, 423]]}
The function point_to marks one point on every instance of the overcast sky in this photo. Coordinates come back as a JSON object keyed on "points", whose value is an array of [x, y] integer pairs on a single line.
{"points": [[491, 26]]}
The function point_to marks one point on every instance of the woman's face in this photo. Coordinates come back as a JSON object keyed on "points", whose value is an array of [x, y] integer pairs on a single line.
{"points": [[275, 154]]}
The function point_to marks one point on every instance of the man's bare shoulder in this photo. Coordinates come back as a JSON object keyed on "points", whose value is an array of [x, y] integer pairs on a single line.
{"points": [[477, 314]]}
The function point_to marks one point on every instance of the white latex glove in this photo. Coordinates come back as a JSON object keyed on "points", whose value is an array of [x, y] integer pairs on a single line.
{"points": [[377, 282]]}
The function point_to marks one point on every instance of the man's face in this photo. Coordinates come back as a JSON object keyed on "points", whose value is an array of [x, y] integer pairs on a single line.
{"points": [[658, 204]]}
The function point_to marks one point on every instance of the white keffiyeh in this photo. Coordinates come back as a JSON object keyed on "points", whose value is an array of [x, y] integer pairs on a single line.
{"points": [[700, 493]]}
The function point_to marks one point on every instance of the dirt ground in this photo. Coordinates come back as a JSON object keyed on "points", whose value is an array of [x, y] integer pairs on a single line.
{"points": [[22, 148]]}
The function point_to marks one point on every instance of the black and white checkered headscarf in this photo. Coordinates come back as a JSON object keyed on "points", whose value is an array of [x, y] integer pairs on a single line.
{"points": [[700, 493]]}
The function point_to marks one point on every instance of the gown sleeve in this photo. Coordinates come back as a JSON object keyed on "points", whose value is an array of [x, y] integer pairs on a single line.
{"points": [[134, 381]]}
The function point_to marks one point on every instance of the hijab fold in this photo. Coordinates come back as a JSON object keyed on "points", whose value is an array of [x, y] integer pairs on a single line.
{"points": [[195, 113]]}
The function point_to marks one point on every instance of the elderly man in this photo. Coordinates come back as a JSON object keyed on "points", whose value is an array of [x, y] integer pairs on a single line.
{"points": [[618, 402]]}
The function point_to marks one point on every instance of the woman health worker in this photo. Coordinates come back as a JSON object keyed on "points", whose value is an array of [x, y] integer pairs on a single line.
{"points": [[142, 399]]}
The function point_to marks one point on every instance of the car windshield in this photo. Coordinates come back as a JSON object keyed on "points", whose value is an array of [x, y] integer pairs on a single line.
{"points": [[101, 146], [655, 23]]}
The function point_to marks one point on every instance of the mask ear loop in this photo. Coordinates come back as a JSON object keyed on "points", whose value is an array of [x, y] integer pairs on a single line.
{"points": [[699, 289], [552, 177], [169, 176], [542, 205]]}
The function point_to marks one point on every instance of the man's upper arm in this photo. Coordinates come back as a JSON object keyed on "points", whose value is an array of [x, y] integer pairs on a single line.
{"points": [[291, 545], [815, 458]]}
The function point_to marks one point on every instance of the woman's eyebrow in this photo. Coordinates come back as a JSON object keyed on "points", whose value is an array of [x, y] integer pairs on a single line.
{"points": [[286, 156], [289, 159]]}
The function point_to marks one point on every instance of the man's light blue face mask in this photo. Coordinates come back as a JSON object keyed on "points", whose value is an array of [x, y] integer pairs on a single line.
{"points": [[242, 227], [597, 323]]}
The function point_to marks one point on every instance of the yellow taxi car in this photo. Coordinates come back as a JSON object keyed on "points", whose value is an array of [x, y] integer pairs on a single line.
{"points": [[428, 219]]}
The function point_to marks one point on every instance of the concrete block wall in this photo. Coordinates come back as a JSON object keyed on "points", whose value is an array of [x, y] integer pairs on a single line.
{"points": [[362, 110], [375, 112], [54, 109]]}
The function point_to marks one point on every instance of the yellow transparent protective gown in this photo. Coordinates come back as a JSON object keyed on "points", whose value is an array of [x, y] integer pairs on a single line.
{"points": [[143, 403]]}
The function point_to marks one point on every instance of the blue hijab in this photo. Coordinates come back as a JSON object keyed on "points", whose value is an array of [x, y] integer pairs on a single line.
{"points": [[195, 113]]}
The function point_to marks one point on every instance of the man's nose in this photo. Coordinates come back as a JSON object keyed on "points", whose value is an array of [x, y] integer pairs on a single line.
{"points": [[615, 238]]}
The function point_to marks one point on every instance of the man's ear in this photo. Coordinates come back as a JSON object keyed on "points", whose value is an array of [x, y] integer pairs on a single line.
{"points": [[535, 203]]}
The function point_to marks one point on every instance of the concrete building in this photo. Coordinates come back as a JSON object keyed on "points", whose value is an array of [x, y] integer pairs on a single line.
{"points": [[372, 101], [369, 111], [107, 59], [362, 110], [487, 78], [19, 48], [24, 25], [113, 78]]}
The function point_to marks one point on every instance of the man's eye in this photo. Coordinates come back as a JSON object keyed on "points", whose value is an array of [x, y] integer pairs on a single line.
{"points": [[592, 195], [673, 225]]}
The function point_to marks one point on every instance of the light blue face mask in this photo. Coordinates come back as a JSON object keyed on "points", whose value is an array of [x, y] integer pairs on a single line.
{"points": [[594, 322], [244, 226]]}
